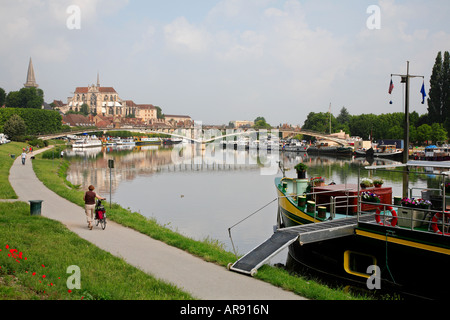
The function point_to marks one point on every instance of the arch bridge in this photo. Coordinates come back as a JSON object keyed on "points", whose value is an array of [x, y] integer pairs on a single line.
{"points": [[190, 133]]}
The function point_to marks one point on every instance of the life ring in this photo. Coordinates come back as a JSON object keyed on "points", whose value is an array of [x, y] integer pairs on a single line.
{"points": [[393, 223], [434, 221]]}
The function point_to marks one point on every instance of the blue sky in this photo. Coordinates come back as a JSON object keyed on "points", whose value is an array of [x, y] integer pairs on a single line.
{"points": [[224, 60]]}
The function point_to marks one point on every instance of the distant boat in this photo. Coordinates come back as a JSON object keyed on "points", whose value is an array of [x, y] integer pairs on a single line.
{"points": [[383, 151], [294, 145], [324, 148], [148, 141], [126, 141], [171, 141], [87, 143]]}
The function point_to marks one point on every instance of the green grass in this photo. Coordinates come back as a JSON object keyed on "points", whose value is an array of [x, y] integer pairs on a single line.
{"points": [[6, 191], [50, 248], [52, 174]]}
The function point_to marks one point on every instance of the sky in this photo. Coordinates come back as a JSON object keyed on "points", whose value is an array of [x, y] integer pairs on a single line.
{"points": [[224, 60]]}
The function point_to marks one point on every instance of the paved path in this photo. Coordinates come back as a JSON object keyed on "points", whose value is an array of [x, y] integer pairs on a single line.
{"points": [[201, 279]]}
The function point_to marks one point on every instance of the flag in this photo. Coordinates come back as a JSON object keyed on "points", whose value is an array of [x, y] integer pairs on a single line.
{"points": [[422, 91], [391, 87]]}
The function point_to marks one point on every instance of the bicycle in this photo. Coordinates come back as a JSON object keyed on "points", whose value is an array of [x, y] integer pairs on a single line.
{"points": [[100, 214]]}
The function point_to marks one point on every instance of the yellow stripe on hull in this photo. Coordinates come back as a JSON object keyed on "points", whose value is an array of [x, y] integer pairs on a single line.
{"points": [[287, 205], [403, 242]]}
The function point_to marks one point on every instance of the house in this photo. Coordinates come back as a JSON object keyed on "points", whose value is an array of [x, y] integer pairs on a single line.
{"points": [[77, 120], [178, 120]]}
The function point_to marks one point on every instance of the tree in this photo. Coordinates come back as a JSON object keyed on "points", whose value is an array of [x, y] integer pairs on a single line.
{"points": [[320, 122], [25, 98], [2, 97], [438, 133], [424, 133], [14, 127], [159, 114], [439, 94], [84, 109], [260, 123], [344, 116]]}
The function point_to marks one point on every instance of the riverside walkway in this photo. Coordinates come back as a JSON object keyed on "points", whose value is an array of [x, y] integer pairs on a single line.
{"points": [[203, 280]]}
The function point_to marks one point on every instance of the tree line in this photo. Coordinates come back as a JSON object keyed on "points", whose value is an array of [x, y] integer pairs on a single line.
{"points": [[430, 127], [23, 116], [378, 127]]}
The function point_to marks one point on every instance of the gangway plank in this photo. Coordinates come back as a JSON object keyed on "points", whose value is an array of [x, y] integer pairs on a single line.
{"points": [[282, 238]]}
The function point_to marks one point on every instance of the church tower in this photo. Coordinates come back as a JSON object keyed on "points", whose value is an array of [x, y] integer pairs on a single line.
{"points": [[31, 81]]}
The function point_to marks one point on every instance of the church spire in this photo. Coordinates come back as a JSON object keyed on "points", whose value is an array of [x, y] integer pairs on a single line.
{"points": [[31, 81]]}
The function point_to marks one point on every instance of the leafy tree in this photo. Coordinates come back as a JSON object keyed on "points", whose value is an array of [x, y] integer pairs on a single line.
{"points": [[424, 133], [14, 127], [438, 133], [84, 109], [2, 97], [439, 94], [320, 122], [159, 114], [36, 120], [344, 116], [446, 85], [25, 98], [260, 123]]}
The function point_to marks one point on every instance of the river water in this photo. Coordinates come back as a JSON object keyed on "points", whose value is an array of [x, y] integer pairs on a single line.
{"points": [[201, 194]]}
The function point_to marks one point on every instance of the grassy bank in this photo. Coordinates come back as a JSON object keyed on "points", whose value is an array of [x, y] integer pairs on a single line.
{"points": [[52, 174], [6, 161], [45, 249]]}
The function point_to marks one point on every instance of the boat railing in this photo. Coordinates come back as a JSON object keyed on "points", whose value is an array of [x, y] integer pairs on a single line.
{"points": [[342, 202], [410, 218], [334, 203]]}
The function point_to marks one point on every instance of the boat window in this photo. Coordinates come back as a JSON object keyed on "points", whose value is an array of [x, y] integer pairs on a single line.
{"points": [[357, 263]]}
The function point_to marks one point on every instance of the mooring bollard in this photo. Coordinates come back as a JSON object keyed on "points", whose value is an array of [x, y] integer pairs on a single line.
{"points": [[35, 207]]}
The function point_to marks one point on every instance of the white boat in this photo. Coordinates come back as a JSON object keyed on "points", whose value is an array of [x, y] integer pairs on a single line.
{"points": [[87, 143], [3, 138], [295, 146], [126, 141]]}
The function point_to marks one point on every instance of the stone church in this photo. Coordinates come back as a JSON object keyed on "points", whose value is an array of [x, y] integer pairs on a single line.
{"points": [[100, 100]]}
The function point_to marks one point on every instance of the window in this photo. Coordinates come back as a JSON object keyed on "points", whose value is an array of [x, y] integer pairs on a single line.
{"points": [[356, 263]]}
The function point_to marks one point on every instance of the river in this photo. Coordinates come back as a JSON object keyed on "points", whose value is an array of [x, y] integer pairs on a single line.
{"points": [[201, 194]]}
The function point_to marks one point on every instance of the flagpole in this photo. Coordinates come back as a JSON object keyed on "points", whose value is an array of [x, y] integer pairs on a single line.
{"points": [[406, 80]]}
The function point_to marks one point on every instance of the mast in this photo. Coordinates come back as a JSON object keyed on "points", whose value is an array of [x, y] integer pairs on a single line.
{"points": [[406, 80]]}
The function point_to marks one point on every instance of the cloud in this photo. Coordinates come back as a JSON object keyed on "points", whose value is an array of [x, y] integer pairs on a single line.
{"points": [[184, 37]]}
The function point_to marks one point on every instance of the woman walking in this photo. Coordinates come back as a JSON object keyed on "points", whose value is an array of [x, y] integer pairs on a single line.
{"points": [[89, 204]]}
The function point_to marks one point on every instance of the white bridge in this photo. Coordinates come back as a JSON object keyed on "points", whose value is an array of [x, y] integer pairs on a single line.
{"points": [[206, 135]]}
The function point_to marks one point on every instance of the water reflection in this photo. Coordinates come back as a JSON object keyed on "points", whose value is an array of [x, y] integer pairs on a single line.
{"points": [[202, 195]]}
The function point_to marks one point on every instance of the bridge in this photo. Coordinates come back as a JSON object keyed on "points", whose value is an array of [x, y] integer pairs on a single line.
{"points": [[191, 133]]}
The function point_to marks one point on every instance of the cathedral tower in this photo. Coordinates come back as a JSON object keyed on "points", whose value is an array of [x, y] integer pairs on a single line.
{"points": [[31, 81]]}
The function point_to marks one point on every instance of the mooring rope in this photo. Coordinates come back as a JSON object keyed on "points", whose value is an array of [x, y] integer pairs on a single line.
{"points": [[229, 229]]}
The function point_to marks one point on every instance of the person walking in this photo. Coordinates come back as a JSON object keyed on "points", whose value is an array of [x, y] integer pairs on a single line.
{"points": [[89, 204], [24, 157]]}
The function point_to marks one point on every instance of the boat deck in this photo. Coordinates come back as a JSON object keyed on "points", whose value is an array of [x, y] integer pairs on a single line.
{"points": [[306, 233]]}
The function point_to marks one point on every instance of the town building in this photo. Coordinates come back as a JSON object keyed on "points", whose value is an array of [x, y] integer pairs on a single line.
{"points": [[100, 100], [178, 120], [242, 124]]}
